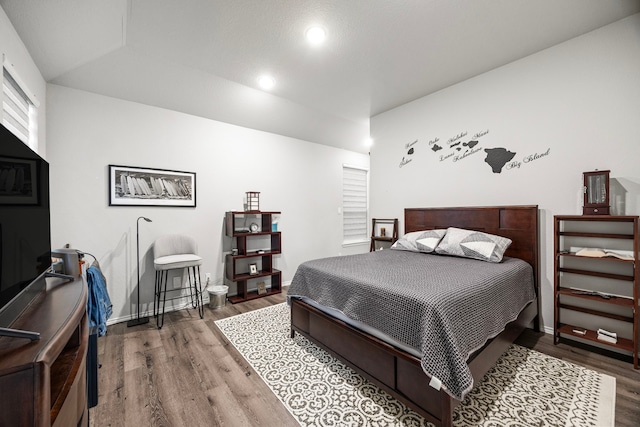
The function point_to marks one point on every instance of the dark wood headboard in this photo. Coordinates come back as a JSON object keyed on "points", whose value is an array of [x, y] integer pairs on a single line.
{"points": [[518, 223]]}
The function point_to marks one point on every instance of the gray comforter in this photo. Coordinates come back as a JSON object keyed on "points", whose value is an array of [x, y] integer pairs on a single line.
{"points": [[445, 307]]}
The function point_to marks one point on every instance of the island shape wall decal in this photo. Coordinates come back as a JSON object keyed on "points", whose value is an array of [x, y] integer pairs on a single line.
{"points": [[459, 148]]}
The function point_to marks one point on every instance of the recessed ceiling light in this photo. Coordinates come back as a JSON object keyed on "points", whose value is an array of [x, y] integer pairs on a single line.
{"points": [[368, 142], [266, 82], [316, 35]]}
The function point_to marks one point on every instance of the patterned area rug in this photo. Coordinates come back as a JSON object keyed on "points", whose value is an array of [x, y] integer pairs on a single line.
{"points": [[525, 388]]}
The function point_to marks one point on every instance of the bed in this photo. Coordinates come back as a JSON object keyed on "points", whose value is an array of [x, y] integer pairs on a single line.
{"points": [[398, 369]]}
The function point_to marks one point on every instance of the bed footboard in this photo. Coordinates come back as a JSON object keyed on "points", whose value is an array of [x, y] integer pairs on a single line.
{"points": [[396, 372]]}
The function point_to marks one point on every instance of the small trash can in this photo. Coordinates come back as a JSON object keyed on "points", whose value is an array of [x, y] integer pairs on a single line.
{"points": [[217, 296]]}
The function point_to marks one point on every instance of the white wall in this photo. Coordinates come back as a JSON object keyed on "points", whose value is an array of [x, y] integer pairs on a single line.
{"points": [[579, 100], [15, 53], [87, 132]]}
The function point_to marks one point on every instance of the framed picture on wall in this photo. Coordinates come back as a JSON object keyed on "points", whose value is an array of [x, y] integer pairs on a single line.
{"points": [[135, 186]]}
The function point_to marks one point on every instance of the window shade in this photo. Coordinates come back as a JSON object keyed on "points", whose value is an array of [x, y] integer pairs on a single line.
{"points": [[16, 109], [354, 204]]}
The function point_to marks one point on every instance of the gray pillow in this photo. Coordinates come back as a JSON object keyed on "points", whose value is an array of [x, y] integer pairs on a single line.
{"points": [[473, 244], [419, 241]]}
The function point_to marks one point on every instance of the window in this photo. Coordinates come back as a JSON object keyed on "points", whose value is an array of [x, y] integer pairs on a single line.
{"points": [[18, 111], [354, 204]]}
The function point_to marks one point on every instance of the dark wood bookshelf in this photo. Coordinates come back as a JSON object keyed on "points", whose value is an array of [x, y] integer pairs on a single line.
{"points": [[236, 229], [566, 297]]}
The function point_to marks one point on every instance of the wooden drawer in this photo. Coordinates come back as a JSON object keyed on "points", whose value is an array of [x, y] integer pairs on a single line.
{"points": [[595, 211], [372, 360]]}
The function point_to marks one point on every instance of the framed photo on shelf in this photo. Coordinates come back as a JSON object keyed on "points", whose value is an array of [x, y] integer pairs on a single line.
{"points": [[134, 186], [253, 269], [262, 288]]}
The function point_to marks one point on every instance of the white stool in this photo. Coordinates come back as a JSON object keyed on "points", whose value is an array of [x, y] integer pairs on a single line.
{"points": [[176, 252]]}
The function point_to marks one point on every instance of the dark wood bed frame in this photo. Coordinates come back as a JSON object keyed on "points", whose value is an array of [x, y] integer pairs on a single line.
{"points": [[400, 373]]}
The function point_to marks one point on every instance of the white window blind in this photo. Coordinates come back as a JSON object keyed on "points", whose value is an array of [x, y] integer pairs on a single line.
{"points": [[354, 204], [18, 113]]}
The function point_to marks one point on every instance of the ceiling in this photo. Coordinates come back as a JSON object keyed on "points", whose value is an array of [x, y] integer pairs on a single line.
{"points": [[203, 57]]}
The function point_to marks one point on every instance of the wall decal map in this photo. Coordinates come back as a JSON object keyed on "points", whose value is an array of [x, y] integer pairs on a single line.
{"points": [[458, 148], [498, 157]]}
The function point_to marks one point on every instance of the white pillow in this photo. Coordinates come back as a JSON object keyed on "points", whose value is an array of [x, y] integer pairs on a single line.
{"points": [[473, 244], [419, 241]]}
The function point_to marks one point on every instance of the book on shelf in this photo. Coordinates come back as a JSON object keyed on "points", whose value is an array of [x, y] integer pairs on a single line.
{"points": [[604, 253], [608, 333], [607, 336], [591, 293]]}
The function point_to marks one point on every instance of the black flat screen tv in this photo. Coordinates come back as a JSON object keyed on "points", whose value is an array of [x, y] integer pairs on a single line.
{"points": [[25, 226]]}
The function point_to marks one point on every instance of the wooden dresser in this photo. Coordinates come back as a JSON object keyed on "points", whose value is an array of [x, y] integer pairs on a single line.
{"points": [[43, 383]]}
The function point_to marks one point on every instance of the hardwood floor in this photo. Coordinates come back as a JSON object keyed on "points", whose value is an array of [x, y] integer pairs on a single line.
{"points": [[185, 374]]}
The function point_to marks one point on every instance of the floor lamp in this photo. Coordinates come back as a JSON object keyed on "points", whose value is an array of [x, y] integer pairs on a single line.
{"points": [[138, 320]]}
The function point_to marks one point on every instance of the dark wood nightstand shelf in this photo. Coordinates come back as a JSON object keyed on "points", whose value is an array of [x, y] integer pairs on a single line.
{"points": [[380, 226], [576, 278], [237, 266]]}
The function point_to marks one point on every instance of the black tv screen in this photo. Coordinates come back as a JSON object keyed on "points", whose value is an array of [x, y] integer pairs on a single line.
{"points": [[25, 225]]}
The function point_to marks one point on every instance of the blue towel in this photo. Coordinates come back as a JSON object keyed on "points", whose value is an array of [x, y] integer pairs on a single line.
{"points": [[99, 307]]}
